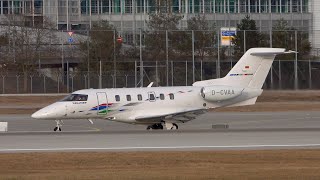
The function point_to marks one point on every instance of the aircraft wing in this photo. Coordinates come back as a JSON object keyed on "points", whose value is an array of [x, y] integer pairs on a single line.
{"points": [[182, 116]]}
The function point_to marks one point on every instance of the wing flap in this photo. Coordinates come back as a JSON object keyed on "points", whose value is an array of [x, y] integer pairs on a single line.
{"points": [[182, 116]]}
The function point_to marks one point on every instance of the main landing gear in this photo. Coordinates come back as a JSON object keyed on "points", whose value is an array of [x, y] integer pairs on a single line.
{"points": [[155, 126], [168, 126], [58, 126]]}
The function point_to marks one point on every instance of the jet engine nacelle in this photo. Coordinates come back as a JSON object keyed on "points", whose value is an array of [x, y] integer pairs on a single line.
{"points": [[220, 93]]}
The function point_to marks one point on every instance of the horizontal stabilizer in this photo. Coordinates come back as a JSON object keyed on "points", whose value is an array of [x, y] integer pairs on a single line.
{"points": [[271, 53]]}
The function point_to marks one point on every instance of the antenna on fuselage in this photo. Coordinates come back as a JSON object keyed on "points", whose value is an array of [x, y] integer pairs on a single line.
{"points": [[150, 85]]}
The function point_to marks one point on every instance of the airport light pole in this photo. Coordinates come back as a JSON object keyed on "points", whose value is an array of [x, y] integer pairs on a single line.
{"points": [[244, 41], [218, 60], [296, 61], [193, 77], [141, 63], [100, 74], [114, 60], [88, 63], [167, 58], [271, 69]]}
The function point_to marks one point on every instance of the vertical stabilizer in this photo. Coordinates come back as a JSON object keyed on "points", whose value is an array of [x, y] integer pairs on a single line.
{"points": [[250, 71]]}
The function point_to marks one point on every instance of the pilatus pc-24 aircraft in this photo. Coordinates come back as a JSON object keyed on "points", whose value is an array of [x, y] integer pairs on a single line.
{"points": [[165, 107]]}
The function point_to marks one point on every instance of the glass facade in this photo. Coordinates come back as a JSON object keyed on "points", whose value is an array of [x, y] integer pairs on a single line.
{"points": [[80, 14], [196, 6], [152, 6], [21, 7]]}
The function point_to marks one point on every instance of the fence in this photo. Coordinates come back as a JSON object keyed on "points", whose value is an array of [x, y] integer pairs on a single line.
{"points": [[181, 74], [61, 61]]}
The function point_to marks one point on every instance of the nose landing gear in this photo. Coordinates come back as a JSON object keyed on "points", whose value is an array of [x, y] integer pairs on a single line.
{"points": [[58, 126]]}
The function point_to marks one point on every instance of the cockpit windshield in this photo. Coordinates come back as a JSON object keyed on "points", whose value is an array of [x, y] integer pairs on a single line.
{"points": [[76, 97]]}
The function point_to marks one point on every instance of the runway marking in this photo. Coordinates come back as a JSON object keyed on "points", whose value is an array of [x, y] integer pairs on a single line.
{"points": [[284, 119], [163, 147], [57, 132]]}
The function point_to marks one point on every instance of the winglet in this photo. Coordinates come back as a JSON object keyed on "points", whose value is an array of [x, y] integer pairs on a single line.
{"points": [[150, 85]]}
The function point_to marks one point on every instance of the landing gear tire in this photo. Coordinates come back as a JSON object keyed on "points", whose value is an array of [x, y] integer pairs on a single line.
{"points": [[57, 128], [175, 126]]}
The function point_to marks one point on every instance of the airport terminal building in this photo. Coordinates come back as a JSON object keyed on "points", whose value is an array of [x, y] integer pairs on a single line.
{"points": [[130, 15]]}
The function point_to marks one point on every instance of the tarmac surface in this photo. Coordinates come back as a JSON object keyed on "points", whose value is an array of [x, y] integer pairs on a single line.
{"points": [[257, 130]]}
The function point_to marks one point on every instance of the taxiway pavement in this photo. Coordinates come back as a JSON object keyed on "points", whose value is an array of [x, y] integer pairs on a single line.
{"points": [[265, 130]]}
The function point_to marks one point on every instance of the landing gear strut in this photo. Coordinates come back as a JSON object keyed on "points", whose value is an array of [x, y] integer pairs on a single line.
{"points": [[58, 126]]}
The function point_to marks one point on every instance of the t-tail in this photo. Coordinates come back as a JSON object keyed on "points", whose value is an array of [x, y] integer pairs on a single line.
{"points": [[250, 71], [247, 76]]}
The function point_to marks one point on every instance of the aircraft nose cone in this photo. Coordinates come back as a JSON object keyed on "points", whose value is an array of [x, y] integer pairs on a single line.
{"points": [[53, 111], [37, 115]]}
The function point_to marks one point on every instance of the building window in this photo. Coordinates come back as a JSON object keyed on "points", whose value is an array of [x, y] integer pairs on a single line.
{"points": [[139, 6], [116, 6], [128, 98], [84, 5], [5, 7], [219, 6], [264, 6], [94, 7], [128, 6], [17, 7], [175, 6], [139, 97], [105, 6], [304, 6], [128, 38], [162, 96], [296, 6], [117, 97], [171, 96]]}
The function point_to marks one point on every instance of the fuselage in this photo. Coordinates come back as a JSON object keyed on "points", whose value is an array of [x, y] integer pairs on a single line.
{"points": [[123, 104], [128, 104]]}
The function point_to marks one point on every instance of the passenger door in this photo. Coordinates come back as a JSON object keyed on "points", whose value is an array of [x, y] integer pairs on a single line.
{"points": [[102, 108]]}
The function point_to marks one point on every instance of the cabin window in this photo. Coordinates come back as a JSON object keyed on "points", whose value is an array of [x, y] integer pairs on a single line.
{"points": [[151, 97], [76, 97], [171, 96], [162, 96], [139, 97], [128, 98], [117, 97]]}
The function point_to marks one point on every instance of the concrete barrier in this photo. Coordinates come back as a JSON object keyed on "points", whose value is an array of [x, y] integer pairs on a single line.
{"points": [[3, 126]]}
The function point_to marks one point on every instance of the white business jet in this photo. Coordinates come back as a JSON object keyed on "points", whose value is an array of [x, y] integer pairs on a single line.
{"points": [[165, 107]]}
